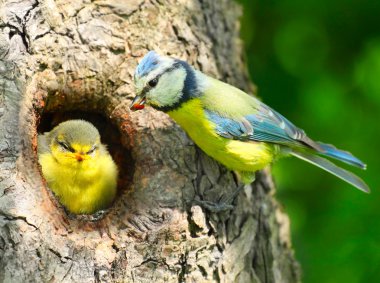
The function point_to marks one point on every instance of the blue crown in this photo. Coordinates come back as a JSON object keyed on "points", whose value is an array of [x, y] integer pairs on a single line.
{"points": [[148, 63]]}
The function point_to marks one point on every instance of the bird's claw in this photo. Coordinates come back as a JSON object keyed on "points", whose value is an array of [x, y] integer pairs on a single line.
{"points": [[86, 217], [98, 215]]}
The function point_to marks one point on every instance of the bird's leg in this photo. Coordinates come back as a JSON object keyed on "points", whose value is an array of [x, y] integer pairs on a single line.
{"points": [[220, 206]]}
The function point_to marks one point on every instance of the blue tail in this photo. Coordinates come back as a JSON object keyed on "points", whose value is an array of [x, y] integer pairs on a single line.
{"points": [[344, 156], [332, 168]]}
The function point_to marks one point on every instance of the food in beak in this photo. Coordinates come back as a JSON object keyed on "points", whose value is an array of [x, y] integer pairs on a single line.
{"points": [[138, 103]]}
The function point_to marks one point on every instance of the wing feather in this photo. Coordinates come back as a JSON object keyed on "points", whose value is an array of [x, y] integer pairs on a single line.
{"points": [[259, 127]]}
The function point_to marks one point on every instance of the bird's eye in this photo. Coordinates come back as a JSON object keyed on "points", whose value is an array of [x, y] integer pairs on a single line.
{"points": [[65, 146], [92, 150], [153, 83]]}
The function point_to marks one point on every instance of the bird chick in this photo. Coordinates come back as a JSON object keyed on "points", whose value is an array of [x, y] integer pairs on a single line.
{"points": [[233, 127], [77, 167]]}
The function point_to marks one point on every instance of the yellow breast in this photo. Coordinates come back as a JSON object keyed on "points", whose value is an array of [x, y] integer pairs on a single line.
{"points": [[82, 189], [236, 155]]}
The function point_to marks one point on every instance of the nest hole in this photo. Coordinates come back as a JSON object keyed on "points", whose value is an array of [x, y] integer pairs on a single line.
{"points": [[110, 136]]}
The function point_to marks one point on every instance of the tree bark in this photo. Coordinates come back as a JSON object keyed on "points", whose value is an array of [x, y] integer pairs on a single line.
{"points": [[67, 59]]}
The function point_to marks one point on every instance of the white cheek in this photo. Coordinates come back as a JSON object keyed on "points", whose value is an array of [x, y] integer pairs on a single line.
{"points": [[169, 89]]}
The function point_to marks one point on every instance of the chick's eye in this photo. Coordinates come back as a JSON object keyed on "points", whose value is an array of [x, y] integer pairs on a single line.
{"points": [[153, 83], [92, 150], [65, 146]]}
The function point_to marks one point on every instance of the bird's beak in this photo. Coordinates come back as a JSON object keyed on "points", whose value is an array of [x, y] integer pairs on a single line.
{"points": [[138, 103], [79, 157]]}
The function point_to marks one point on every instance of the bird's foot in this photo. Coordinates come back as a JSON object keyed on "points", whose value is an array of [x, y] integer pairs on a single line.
{"points": [[98, 215], [220, 206]]}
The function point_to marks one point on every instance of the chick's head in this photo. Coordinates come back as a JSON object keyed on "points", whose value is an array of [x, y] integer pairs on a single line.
{"points": [[75, 143]]}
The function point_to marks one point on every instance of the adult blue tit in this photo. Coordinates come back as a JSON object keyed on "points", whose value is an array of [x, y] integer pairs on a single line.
{"points": [[231, 126]]}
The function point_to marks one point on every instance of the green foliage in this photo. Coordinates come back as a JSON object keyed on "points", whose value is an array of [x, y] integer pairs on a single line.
{"points": [[318, 63]]}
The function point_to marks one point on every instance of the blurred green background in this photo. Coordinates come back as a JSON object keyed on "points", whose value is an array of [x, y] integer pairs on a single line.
{"points": [[318, 64]]}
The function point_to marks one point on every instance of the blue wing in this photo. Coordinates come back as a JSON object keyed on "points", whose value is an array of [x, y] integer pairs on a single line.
{"points": [[269, 126], [266, 125]]}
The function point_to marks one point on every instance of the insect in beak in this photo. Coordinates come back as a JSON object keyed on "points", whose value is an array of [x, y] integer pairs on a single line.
{"points": [[138, 103]]}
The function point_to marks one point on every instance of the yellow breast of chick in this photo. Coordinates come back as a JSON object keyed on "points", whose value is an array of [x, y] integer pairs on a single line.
{"points": [[234, 154], [82, 187]]}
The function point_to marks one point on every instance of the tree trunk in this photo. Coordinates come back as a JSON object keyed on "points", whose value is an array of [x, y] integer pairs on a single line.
{"points": [[68, 59]]}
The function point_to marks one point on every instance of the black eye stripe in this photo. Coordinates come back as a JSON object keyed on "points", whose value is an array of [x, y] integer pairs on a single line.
{"points": [[151, 84], [148, 87]]}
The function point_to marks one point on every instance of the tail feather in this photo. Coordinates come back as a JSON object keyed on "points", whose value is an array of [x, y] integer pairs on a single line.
{"points": [[344, 156], [333, 169]]}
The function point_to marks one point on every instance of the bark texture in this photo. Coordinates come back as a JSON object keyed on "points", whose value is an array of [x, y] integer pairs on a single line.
{"points": [[63, 59]]}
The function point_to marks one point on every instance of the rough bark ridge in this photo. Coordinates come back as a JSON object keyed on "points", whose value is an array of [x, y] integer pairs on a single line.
{"points": [[64, 58]]}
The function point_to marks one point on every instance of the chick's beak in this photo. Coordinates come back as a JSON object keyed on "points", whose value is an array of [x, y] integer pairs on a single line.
{"points": [[138, 103], [79, 157]]}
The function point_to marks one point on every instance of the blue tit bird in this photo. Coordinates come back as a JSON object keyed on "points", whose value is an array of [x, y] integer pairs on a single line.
{"points": [[231, 126], [77, 167]]}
